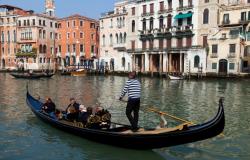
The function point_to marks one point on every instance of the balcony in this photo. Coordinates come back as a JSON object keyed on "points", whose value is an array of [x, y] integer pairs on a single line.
{"points": [[27, 54], [161, 11], [58, 54], [231, 55], [147, 14], [120, 46], [244, 21], [146, 34], [184, 8], [181, 31], [82, 54], [214, 55], [225, 22], [93, 55]]}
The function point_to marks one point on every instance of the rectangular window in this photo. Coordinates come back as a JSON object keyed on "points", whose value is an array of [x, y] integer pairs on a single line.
{"points": [[68, 48], [161, 44], [214, 48], [81, 35], [68, 35], [226, 19], [144, 45], [51, 24], [144, 8], [81, 23], [243, 16], [74, 48], [151, 44], [133, 45], [179, 43], [169, 4], [68, 24], [231, 66], [214, 65], [133, 11], [161, 5], [152, 8], [189, 42], [81, 48], [169, 43], [232, 48], [33, 22]]}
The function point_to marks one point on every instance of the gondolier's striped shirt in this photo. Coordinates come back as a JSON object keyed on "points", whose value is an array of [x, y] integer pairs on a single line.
{"points": [[133, 88]]}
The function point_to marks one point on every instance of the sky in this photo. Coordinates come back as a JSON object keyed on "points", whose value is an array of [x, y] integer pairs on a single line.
{"points": [[64, 8]]}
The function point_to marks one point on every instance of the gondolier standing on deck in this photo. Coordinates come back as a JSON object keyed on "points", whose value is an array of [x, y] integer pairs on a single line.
{"points": [[133, 88]]}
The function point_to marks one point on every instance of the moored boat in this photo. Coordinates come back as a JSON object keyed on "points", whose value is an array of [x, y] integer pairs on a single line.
{"points": [[79, 72], [175, 77], [32, 76], [121, 135]]}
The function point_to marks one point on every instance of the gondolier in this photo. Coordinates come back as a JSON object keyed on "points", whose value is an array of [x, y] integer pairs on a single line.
{"points": [[133, 88]]}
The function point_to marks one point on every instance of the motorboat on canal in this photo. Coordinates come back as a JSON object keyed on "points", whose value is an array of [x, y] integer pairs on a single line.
{"points": [[171, 77], [32, 76], [79, 72], [120, 135]]}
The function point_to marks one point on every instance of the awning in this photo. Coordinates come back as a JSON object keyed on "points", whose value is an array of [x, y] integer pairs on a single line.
{"points": [[182, 16]]}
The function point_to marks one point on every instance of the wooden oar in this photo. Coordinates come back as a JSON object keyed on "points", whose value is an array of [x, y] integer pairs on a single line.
{"points": [[169, 115], [174, 117]]}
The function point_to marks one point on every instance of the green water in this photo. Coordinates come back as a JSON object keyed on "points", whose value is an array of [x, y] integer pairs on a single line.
{"points": [[23, 136]]}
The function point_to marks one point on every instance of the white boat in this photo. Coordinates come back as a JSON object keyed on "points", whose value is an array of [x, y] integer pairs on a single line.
{"points": [[175, 77]]}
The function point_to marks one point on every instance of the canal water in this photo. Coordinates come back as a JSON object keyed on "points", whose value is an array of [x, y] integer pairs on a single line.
{"points": [[23, 136]]}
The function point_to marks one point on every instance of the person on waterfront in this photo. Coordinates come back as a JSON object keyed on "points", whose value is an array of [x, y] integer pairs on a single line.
{"points": [[133, 88], [72, 110], [49, 106]]}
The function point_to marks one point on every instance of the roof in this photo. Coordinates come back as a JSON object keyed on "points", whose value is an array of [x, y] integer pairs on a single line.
{"points": [[74, 16], [9, 7]]}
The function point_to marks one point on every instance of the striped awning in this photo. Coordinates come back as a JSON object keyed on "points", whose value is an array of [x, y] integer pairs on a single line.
{"points": [[182, 16]]}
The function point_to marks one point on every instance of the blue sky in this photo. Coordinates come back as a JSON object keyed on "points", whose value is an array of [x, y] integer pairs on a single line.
{"points": [[89, 8]]}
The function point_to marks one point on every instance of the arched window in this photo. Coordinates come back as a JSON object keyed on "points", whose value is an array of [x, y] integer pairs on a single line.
{"points": [[40, 48], [196, 61], [161, 22], [44, 49], [124, 38], [14, 35], [120, 38], [103, 40], [111, 39], [144, 24], [8, 35], [133, 26], [151, 23], [206, 16], [123, 62], [123, 21], [117, 39]]}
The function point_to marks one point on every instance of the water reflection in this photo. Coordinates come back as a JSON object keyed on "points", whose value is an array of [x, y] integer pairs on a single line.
{"points": [[23, 136]]}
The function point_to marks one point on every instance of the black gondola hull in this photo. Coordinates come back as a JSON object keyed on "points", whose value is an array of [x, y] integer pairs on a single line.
{"points": [[138, 141]]}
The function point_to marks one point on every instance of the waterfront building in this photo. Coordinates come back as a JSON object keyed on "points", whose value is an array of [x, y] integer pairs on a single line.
{"points": [[8, 49], [113, 37], [36, 34], [229, 47], [78, 41], [163, 37], [36, 39]]}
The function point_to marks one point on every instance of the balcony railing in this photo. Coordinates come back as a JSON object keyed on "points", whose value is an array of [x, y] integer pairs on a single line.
{"points": [[26, 54], [183, 8], [244, 21], [161, 11], [147, 14], [214, 55], [231, 55]]}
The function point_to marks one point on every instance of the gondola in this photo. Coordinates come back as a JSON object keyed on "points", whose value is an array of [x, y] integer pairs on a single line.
{"points": [[32, 76], [121, 136]]}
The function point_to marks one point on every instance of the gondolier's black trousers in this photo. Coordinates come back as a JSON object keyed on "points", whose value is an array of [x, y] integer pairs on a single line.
{"points": [[133, 105]]}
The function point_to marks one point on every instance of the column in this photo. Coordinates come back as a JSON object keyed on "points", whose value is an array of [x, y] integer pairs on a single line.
{"points": [[170, 62], [160, 64], [181, 62], [164, 63]]}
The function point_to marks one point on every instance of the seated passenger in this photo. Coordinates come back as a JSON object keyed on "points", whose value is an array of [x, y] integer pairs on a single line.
{"points": [[72, 110], [49, 106], [84, 115]]}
